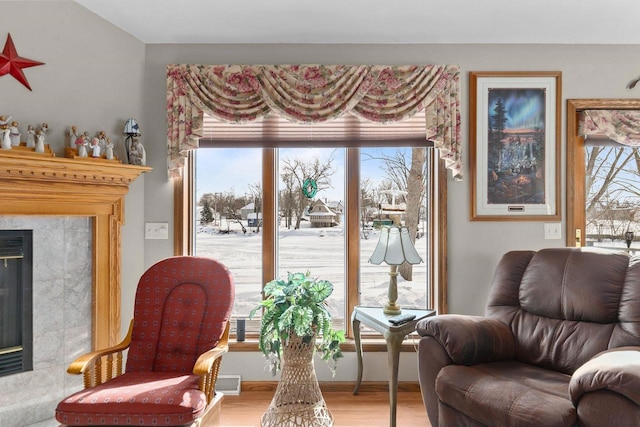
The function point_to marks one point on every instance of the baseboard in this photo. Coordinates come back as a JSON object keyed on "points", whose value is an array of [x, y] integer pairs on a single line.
{"points": [[336, 386]]}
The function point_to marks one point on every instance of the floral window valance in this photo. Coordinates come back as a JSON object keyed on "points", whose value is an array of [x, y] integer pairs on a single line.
{"points": [[313, 94], [621, 126]]}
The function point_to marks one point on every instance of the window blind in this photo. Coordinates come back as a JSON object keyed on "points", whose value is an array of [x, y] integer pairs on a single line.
{"points": [[345, 131]]}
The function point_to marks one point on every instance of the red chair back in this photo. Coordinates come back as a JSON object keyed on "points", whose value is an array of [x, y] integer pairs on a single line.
{"points": [[182, 307]]}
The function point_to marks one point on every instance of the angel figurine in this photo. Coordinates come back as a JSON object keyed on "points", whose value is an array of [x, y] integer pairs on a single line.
{"points": [[39, 141], [4, 122], [31, 137], [108, 148], [102, 137], [44, 130], [73, 136], [95, 147], [14, 134], [5, 141], [81, 144]]}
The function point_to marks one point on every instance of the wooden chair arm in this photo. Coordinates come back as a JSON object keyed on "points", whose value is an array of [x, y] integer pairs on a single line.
{"points": [[206, 360], [208, 365], [90, 364]]}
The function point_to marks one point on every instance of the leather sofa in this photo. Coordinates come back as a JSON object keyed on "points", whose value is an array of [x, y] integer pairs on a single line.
{"points": [[559, 345]]}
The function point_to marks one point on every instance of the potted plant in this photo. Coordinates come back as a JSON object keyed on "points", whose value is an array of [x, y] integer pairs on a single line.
{"points": [[295, 324]]}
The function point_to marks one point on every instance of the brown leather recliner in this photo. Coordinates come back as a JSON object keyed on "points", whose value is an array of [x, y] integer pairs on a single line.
{"points": [[559, 346]]}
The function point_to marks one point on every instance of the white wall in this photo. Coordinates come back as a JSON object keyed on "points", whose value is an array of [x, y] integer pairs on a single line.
{"points": [[93, 78]]}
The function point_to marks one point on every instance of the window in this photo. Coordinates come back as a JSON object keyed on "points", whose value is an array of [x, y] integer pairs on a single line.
{"points": [[582, 226], [246, 209], [227, 217], [612, 175]]}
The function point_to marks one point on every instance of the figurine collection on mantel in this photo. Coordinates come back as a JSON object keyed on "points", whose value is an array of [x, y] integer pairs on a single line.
{"points": [[83, 145], [100, 146], [78, 145], [10, 136]]}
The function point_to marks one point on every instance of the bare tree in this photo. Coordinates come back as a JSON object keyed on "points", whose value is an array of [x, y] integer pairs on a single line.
{"points": [[412, 180], [296, 171], [287, 199], [415, 191], [611, 177], [367, 204], [612, 190], [603, 165], [230, 208], [256, 192]]}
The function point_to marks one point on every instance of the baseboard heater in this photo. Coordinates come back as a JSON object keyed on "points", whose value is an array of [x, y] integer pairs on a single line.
{"points": [[229, 384]]}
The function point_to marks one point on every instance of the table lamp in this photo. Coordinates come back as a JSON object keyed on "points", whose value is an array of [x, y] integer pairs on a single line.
{"points": [[394, 248]]}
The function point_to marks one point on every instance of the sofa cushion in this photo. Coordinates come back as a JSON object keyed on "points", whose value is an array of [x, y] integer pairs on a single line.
{"points": [[507, 394], [565, 305], [141, 399]]}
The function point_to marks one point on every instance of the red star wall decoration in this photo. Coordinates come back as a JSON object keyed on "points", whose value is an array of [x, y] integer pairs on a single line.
{"points": [[12, 63]]}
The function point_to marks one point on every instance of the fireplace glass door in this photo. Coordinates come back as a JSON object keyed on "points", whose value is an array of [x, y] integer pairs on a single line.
{"points": [[15, 301]]}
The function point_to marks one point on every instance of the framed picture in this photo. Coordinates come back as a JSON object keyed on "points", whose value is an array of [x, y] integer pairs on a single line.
{"points": [[514, 148]]}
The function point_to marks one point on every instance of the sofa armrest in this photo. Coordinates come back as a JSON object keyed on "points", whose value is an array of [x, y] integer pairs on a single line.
{"points": [[470, 339], [616, 370]]}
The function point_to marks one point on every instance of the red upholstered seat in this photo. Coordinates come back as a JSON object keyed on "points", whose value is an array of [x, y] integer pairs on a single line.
{"points": [[179, 332], [136, 398]]}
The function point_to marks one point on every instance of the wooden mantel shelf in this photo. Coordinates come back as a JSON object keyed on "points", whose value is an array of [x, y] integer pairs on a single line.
{"points": [[16, 165], [31, 184]]}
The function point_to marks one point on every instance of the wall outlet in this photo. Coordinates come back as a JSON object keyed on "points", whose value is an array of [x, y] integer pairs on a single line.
{"points": [[553, 231]]}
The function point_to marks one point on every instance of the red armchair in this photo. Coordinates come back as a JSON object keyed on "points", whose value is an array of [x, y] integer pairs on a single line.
{"points": [[175, 345]]}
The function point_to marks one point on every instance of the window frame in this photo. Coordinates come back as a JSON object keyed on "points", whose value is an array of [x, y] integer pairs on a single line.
{"points": [[437, 263], [575, 167]]}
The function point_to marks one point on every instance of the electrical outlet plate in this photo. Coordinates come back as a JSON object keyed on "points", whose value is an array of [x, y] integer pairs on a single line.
{"points": [[553, 231], [156, 230]]}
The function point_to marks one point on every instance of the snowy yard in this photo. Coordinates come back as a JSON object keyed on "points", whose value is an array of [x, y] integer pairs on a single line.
{"points": [[318, 250]]}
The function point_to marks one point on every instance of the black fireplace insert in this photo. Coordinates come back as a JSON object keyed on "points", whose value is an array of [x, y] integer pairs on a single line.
{"points": [[16, 298]]}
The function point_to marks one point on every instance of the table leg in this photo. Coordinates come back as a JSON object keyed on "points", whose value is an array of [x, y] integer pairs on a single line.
{"points": [[394, 342], [356, 335]]}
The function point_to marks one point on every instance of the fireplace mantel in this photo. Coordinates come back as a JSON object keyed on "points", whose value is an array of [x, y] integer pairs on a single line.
{"points": [[38, 184]]}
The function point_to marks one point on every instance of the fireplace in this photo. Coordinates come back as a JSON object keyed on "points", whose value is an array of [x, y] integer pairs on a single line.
{"points": [[75, 209], [16, 297]]}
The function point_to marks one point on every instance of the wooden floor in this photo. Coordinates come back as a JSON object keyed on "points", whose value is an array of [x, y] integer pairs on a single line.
{"points": [[370, 409]]}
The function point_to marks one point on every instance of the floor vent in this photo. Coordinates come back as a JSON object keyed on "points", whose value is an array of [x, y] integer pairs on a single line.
{"points": [[228, 384]]}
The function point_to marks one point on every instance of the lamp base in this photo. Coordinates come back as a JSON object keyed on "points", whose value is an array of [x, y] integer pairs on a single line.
{"points": [[391, 308]]}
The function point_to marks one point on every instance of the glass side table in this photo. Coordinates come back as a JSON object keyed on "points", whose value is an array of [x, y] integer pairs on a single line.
{"points": [[393, 335]]}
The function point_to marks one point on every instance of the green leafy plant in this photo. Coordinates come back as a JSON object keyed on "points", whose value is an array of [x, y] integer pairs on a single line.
{"points": [[297, 306]]}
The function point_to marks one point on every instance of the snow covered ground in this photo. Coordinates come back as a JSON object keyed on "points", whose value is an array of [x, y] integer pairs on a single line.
{"points": [[318, 250]]}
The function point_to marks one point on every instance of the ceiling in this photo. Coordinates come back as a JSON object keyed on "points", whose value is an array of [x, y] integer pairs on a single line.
{"points": [[374, 21]]}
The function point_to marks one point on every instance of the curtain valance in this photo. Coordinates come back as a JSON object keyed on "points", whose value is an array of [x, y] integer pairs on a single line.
{"points": [[621, 126], [313, 94]]}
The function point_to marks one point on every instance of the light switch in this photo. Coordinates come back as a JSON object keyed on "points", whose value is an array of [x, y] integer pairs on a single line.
{"points": [[156, 230], [553, 231]]}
